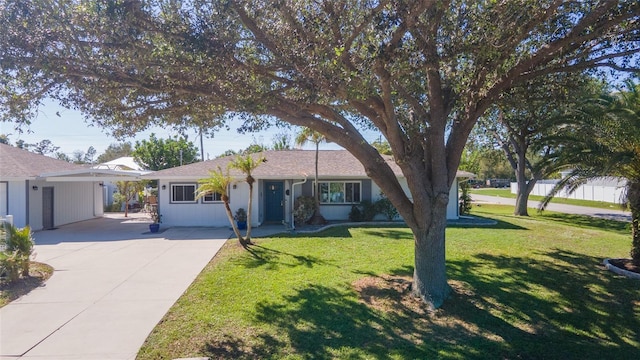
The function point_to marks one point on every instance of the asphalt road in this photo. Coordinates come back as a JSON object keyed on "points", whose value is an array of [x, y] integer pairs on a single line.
{"points": [[613, 213]]}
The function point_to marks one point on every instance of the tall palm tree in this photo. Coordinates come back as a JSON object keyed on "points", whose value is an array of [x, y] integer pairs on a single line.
{"points": [[247, 164], [610, 148], [309, 135], [218, 182]]}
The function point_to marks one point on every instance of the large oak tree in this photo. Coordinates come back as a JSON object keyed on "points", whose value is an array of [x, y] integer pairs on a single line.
{"points": [[421, 72]]}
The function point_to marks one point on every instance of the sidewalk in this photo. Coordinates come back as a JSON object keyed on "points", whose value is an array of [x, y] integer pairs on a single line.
{"points": [[113, 282], [612, 214]]}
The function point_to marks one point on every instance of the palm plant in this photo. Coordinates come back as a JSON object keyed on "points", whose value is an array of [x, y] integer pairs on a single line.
{"points": [[611, 148], [17, 247], [218, 182], [315, 137], [247, 164]]}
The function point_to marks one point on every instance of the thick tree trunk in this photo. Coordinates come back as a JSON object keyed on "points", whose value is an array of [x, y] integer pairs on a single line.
{"points": [[633, 194], [522, 196], [429, 277]]}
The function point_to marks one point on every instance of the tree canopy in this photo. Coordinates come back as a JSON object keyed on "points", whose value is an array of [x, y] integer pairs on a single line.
{"points": [[114, 151], [44, 147], [422, 73], [157, 154]]}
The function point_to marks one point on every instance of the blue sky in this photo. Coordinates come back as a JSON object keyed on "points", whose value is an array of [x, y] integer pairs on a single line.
{"points": [[71, 132]]}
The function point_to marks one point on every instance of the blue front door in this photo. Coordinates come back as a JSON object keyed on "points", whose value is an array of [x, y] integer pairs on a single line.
{"points": [[274, 201]]}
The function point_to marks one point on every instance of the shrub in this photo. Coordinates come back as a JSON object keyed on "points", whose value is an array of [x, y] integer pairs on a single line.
{"points": [[17, 249], [303, 208], [241, 215], [386, 208], [10, 265], [118, 200], [355, 214], [465, 199], [156, 217], [369, 210], [365, 211]]}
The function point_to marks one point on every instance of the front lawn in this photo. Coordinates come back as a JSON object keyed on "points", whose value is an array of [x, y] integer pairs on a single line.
{"points": [[527, 288]]}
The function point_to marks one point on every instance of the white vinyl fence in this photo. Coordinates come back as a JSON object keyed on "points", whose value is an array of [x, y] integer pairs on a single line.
{"points": [[606, 190]]}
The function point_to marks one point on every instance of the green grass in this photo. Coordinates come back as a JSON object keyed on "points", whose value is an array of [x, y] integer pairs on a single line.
{"points": [[506, 193], [526, 288]]}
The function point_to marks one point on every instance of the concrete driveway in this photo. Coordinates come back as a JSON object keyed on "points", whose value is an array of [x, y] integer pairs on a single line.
{"points": [[112, 284]]}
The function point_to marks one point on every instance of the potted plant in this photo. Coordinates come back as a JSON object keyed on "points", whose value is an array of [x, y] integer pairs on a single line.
{"points": [[241, 219], [156, 218]]}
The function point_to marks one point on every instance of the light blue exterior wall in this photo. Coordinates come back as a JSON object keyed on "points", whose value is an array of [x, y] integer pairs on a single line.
{"points": [[73, 201], [214, 215], [200, 213]]}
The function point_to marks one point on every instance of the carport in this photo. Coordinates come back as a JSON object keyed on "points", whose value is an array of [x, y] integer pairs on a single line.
{"points": [[44, 192], [64, 197]]}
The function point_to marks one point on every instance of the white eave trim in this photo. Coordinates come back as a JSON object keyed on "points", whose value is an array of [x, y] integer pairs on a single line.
{"points": [[92, 175], [17, 178]]}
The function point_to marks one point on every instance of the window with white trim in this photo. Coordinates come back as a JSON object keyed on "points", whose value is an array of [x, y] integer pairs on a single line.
{"points": [[183, 193], [339, 192], [211, 198]]}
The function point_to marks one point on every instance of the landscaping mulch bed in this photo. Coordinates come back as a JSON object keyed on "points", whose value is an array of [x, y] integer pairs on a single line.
{"points": [[625, 264], [388, 293], [38, 274]]}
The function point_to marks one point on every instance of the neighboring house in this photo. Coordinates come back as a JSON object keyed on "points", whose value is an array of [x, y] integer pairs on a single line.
{"points": [[44, 192], [121, 163], [285, 176]]}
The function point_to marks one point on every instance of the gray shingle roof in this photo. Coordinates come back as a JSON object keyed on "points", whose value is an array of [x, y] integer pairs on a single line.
{"points": [[282, 164], [18, 163]]}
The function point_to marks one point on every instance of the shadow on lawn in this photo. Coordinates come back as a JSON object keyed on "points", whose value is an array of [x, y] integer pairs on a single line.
{"points": [[499, 224], [562, 306], [589, 222], [271, 259], [404, 233], [568, 307], [390, 233]]}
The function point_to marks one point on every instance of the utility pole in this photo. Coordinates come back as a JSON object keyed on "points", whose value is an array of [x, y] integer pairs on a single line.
{"points": [[201, 145]]}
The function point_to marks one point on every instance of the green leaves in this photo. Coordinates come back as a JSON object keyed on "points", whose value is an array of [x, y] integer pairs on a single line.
{"points": [[247, 163], [218, 182], [16, 250], [157, 154]]}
